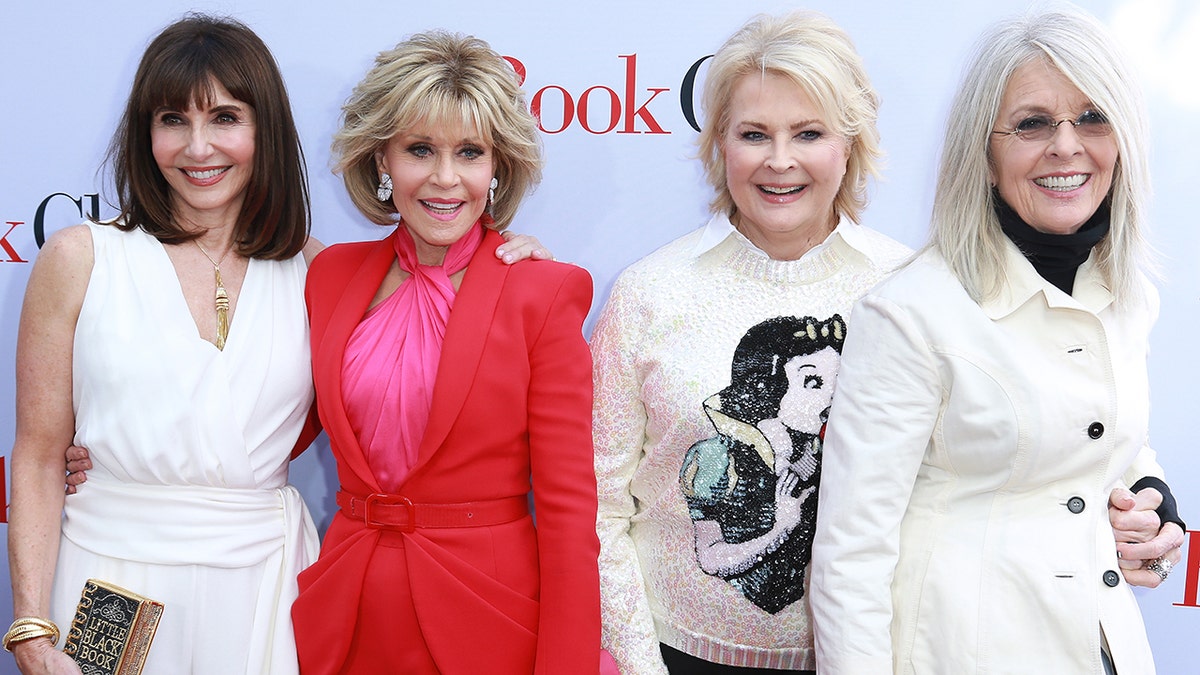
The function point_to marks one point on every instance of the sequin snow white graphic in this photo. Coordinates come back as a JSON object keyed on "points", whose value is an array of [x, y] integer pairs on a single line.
{"points": [[751, 489]]}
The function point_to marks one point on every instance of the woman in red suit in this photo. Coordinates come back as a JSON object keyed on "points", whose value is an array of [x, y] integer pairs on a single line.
{"points": [[448, 383]]}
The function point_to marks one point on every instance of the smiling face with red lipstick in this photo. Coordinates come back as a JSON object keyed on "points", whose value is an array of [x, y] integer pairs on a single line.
{"points": [[206, 154], [784, 165], [1055, 184], [440, 175]]}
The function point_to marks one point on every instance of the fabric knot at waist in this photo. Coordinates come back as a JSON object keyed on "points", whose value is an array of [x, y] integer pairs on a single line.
{"points": [[183, 524], [395, 512]]}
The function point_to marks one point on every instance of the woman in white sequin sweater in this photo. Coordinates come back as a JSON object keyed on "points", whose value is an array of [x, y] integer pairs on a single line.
{"points": [[715, 363]]}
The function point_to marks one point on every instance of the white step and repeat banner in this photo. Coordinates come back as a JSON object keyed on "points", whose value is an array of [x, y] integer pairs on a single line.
{"points": [[614, 81]]}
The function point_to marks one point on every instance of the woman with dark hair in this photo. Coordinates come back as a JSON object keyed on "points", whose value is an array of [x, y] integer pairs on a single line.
{"points": [[171, 342]]}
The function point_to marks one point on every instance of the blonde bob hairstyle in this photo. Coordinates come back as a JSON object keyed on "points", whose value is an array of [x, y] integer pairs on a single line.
{"points": [[965, 229], [812, 51], [437, 77]]}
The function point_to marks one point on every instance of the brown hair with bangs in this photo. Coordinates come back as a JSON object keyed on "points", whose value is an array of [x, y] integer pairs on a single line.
{"points": [[179, 70]]}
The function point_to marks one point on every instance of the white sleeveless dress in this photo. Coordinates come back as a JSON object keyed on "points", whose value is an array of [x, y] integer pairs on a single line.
{"points": [[188, 502]]}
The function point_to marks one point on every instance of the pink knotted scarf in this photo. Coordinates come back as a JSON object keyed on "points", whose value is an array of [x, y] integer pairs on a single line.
{"points": [[391, 359]]}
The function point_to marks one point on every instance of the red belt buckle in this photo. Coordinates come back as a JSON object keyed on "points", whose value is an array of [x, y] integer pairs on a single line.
{"points": [[378, 499]]}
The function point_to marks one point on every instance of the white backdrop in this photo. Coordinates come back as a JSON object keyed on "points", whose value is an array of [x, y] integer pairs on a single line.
{"points": [[607, 198]]}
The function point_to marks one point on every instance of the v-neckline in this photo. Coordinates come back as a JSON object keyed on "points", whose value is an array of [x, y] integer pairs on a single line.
{"points": [[182, 305]]}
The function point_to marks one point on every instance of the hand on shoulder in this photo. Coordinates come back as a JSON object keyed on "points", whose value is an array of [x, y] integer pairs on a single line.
{"points": [[518, 247]]}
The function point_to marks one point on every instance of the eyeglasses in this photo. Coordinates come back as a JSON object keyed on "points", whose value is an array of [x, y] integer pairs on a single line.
{"points": [[1041, 128]]}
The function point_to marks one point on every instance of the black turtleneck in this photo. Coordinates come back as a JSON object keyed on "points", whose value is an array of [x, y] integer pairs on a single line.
{"points": [[1055, 256]]}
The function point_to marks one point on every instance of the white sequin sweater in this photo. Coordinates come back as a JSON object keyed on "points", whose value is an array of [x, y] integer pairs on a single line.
{"points": [[682, 469]]}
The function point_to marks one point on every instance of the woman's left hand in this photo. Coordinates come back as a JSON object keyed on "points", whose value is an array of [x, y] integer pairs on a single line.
{"points": [[78, 463], [1140, 537], [517, 247]]}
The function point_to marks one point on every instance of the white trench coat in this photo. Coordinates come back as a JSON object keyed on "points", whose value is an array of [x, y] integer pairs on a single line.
{"points": [[963, 523]]}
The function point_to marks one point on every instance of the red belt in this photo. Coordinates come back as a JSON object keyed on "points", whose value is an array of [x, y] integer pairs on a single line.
{"points": [[394, 512]]}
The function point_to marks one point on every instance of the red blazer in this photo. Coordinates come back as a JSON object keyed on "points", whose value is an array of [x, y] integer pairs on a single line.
{"points": [[512, 402]]}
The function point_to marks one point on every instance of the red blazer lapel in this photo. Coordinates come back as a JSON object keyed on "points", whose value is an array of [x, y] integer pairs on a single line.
{"points": [[466, 333], [349, 307]]}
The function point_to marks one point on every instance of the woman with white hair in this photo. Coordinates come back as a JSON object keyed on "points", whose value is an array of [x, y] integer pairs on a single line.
{"points": [[994, 391]]}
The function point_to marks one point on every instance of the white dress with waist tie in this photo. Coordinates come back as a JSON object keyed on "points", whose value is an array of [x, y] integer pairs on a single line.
{"points": [[188, 502]]}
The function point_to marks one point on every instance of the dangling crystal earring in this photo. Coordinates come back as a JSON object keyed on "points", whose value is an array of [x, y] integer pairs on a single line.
{"points": [[384, 191], [491, 195]]}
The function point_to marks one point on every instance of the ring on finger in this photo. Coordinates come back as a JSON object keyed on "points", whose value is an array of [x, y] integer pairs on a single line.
{"points": [[1160, 566]]}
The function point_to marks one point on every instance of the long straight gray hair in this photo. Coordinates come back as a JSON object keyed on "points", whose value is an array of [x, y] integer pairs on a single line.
{"points": [[964, 228]]}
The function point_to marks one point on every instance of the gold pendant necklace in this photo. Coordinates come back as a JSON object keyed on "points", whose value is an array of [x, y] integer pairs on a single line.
{"points": [[222, 298]]}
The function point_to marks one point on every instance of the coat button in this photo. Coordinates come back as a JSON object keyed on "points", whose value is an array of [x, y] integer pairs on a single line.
{"points": [[1111, 579], [1075, 504], [1096, 430]]}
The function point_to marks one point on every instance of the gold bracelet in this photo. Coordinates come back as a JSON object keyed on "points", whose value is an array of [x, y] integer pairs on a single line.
{"points": [[28, 628]]}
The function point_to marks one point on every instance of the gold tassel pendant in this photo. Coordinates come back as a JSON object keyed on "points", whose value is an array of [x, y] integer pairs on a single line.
{"points": [[222, 312]]}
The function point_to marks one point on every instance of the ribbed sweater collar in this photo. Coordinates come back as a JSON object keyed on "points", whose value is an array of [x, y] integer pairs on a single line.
{"points": [[751, 263]]}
